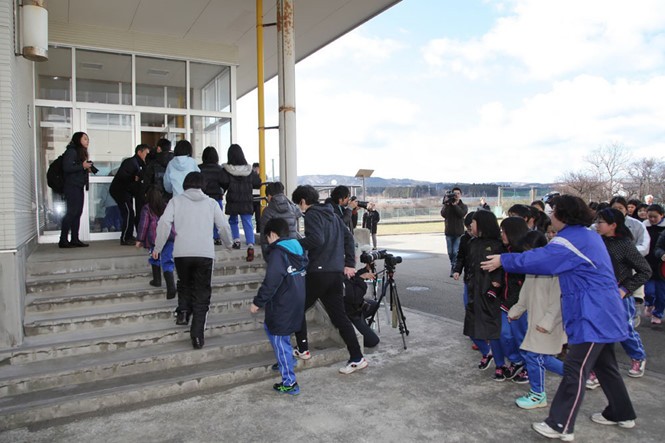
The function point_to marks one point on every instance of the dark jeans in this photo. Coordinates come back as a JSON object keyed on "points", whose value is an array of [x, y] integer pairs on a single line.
{"points": [[580, 361], [72, 219], [126, 207], [452, 244], [328, 287], [194, 290]]}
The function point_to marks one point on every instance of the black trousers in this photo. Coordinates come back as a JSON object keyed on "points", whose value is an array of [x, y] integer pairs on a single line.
{"points": [[329, 288], [580, 361], [72, 219], [194, 290], [126, 207], [370, 339]]}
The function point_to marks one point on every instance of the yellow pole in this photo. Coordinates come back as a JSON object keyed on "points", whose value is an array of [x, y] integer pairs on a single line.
{"points": [[261, 98]]}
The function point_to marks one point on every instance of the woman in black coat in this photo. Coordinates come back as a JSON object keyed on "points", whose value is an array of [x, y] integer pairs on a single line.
{"points": [[212, 173], [76, 167], [238, 180]]}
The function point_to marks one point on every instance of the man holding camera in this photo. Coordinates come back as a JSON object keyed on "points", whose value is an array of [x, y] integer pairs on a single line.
{"points": [[453, 212], [127, 185]]}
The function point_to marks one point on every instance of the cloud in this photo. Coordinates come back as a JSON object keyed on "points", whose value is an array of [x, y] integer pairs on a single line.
{"points": [[549, 133], [356, 46], [545, 40]]}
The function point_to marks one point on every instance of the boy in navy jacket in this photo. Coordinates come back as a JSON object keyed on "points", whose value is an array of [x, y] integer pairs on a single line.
{"points": [[282, 295]]}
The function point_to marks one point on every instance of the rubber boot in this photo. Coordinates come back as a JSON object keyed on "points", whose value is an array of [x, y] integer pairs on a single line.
{"points": [[156, 276], [170, 285]]}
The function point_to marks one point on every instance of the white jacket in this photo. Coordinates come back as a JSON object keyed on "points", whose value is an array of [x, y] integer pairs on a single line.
{"points": [[192, 214], [540, 297]]}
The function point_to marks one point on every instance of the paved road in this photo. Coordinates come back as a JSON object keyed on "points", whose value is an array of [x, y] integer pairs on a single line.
{"points": [[423, 283]]}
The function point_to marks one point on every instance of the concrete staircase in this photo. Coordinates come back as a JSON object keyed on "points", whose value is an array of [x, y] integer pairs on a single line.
{"points": [[97, 336]]}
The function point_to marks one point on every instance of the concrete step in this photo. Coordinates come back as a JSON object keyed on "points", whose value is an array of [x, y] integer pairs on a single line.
{"points": [[125, 314], [113, 338], [108, 279], [136, 292], [106, 256], [48, 374], [71, 400]]}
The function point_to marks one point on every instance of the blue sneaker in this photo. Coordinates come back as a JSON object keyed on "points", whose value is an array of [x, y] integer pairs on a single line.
{"points": [[532, 400], [283, 389]]}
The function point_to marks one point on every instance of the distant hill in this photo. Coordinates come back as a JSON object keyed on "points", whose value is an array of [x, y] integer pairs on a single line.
{"points": [[378, 182]]}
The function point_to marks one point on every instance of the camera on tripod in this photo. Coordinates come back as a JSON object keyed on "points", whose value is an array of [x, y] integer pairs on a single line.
{"points": [[369, 257]]}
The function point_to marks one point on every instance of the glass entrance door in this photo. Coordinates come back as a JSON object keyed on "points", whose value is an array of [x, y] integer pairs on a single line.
{"points": [[113, 137]]}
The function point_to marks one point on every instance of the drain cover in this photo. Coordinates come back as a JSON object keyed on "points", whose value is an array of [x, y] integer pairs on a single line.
{"points": [[417, 288]]}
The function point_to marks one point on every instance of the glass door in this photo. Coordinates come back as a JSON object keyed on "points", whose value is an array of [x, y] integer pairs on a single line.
{"points": [[113, 137]]}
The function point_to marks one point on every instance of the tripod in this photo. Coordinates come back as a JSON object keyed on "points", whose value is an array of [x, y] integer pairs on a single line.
{"points": [[398, 318]]}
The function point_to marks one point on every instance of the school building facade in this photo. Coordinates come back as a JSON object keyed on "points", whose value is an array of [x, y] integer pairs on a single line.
{"points": [[127, 72]]}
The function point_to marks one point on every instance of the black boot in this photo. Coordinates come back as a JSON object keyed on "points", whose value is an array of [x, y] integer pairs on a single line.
{"points": [[197, 342], [156, 276], [170, 285], [182, 318]]}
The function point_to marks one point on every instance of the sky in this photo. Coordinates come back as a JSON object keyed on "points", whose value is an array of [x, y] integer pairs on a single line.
{"points": [[477, 91]]}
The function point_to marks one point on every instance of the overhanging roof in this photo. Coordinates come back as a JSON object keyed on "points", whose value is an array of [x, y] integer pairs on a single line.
{"points": [[228, 22]]}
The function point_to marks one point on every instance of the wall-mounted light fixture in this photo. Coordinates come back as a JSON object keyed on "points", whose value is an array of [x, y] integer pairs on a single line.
{"points": [[33, 30]]}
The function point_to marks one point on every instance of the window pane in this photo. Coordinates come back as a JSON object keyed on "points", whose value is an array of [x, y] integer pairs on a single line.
{"points": [[210, 131], [111, 140], [103, 78], [103, 211], [53, 77], [160, 83], [54, 130], [210, 87]]}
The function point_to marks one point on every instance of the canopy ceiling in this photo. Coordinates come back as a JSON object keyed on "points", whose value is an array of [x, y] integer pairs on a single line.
{"points": [[229, 22]]}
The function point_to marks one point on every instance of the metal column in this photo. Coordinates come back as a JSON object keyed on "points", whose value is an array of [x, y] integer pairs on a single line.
{"points": [[286, 72]]}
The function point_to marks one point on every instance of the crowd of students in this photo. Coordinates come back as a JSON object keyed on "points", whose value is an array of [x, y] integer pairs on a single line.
{"points": [[556, 293]]}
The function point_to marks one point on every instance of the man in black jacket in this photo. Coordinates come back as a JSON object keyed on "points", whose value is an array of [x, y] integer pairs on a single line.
{"points": [[126, 185], [331, 256], [453, 212], [339, 200]]}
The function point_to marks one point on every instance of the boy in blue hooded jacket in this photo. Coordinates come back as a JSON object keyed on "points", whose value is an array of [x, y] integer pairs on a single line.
{"points": [[282, 295]]}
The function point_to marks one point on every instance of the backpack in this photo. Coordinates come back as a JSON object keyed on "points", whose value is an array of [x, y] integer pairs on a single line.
{"points": [[55, 176]]}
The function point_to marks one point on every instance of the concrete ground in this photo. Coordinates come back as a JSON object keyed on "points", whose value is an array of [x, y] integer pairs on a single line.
{"points": [[431, 391]]}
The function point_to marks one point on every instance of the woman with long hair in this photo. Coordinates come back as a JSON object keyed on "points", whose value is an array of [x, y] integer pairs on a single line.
{"points": [[76, 168], [238, 179], [212, 173]]}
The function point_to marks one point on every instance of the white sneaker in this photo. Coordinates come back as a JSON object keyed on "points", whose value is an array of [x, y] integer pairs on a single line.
{"points": [[598, 418], [544, 429], [353, 366], [305, 355], [592, 382]]}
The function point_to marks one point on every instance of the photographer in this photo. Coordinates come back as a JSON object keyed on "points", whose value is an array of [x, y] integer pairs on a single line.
{"points": [[339, 200], [356, 306], [127, 185], [453, 212], [371, 219]]}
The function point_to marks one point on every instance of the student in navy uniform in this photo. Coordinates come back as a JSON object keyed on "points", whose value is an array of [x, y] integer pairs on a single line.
{"points": [[282, 296]]}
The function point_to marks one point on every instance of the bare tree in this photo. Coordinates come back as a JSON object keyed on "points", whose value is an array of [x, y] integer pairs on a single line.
{"points": [[608, 165], [582, 184], [645, 176]]}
